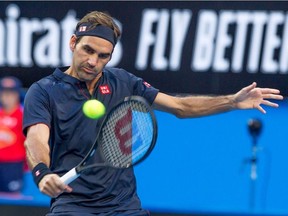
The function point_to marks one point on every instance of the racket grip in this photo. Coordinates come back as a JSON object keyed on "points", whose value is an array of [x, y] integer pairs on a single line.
{"points": [[70, 176]]}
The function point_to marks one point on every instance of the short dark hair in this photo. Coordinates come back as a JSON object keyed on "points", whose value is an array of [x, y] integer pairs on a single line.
{"points": [[99, 18]]}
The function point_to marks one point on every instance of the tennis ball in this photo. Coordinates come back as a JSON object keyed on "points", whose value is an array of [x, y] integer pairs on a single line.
{"points": [[93, 109]]}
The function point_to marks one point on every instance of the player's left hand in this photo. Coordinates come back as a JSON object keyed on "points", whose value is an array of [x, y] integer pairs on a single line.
{"points": [[251, 97]]}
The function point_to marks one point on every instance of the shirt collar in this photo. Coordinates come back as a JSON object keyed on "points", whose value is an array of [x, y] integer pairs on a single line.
{"points": [[59, 74]]}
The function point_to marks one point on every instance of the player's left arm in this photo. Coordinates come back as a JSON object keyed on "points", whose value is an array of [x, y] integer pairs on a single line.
{"points": [[249, 97]]}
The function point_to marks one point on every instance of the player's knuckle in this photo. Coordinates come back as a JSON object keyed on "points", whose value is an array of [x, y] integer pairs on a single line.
{"points": [[42, 189]]}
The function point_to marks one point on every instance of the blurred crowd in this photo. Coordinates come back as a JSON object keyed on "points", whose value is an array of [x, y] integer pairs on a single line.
{"points": [[12, 151]]}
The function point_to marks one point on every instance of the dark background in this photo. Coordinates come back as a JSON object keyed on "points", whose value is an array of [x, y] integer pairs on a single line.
{"points": [[129, 13]]}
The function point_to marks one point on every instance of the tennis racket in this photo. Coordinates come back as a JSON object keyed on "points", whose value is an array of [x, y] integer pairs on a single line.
{"points": [[127, 136]]}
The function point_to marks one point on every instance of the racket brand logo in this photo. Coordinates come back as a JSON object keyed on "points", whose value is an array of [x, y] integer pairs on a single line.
{"points": [[104, 89], [123, 132]]}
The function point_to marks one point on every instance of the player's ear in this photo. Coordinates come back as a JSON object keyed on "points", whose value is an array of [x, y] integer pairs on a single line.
{"points": [[72, 42]]}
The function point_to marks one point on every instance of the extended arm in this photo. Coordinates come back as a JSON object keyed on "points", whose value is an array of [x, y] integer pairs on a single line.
{"points": [[37, 151], [249, 97]]}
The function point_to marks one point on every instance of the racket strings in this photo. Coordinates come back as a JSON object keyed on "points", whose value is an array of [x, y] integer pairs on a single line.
{"points": [[136, 153], [127, 135], [110, 144]]}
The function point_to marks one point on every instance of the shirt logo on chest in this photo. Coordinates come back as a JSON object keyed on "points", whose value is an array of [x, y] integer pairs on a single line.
{"points": [[104, 89]]}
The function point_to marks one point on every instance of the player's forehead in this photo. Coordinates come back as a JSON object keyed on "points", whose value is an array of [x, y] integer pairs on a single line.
{"points": [[97, 44]]}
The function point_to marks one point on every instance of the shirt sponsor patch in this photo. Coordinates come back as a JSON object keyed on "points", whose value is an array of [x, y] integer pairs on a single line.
{"points": [[147, 84], [104, 89]]}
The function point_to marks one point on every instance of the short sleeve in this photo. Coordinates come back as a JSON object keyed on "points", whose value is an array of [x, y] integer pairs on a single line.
{"points": [[143, 88], [36, 107]]}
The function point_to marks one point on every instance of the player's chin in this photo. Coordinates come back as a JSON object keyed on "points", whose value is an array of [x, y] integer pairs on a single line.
{"points": [[87, 73], [86, 77]]}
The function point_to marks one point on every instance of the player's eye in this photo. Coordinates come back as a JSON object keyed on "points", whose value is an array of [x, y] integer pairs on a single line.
{"points": [[88, 50], [104, 55]]}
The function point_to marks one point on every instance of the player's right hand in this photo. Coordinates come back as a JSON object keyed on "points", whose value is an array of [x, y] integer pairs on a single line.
{"points": [[52, 186]]}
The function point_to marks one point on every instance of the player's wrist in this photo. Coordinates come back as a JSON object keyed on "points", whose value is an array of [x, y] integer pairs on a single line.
{"points": [[39, 171], [232, 101]]}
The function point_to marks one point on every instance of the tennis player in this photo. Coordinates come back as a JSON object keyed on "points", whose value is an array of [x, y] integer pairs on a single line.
{"points": [[59, 136]]}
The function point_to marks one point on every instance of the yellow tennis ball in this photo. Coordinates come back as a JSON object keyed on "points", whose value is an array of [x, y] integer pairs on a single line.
{"points": [[93, 109]]}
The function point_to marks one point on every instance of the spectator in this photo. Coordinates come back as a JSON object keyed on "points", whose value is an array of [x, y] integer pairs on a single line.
{"points": [[12, 151]]}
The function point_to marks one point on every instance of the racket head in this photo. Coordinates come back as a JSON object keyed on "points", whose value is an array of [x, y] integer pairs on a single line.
{"points": [[129, 133]]}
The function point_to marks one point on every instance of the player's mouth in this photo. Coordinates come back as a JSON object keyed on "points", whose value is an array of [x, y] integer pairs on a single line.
{"points": [[88, 70]]}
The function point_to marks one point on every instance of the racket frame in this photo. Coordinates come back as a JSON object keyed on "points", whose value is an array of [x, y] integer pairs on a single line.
{"points": [[75, 172]]}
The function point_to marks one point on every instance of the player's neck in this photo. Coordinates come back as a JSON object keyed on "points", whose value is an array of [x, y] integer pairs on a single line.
{"points": [[91, 84]]}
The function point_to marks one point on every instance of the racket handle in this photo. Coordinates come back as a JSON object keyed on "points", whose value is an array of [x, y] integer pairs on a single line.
{"points": [[70, 176]]}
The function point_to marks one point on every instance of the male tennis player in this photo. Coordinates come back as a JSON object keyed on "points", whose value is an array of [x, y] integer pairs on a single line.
{"points": [[59, 136]]}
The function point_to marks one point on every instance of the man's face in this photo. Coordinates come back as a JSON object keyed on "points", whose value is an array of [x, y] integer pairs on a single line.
{"points": [[90, 55], [9, 99]]}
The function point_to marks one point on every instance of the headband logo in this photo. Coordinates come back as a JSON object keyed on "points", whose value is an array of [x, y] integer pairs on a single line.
{"points": [[82, 28]]}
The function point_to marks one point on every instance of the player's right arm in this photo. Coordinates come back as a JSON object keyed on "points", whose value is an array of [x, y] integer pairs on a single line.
{"points": [[36, 144], [38, 151]]}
